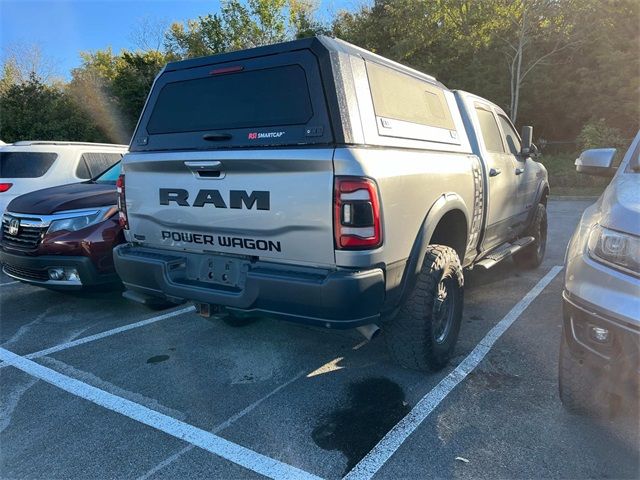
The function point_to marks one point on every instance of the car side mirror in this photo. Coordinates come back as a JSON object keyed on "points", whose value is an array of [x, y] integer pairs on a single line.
{"points": [[597, 161], [527, 136]]}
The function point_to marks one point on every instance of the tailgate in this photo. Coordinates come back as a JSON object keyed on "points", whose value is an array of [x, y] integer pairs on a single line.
{"points": [[234, 155], [272, 203]]}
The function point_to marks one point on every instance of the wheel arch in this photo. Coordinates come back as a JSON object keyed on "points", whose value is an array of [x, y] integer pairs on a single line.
{"points": [[543, 193], [446, 223]]}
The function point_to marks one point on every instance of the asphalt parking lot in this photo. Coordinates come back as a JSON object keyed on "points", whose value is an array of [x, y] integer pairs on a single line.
{"points": [[114, 390]]}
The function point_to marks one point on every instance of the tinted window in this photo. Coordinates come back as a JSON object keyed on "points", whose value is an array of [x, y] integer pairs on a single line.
{"points": [[82, 170], [93, 164], [403, 97], [25, 164], [489, 130], [257, 98], [111, 175], [510, 135]]}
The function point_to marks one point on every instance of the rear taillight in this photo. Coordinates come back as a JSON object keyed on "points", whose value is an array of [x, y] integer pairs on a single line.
{"points": [[122, 205], [5, 186], [356, 217]]}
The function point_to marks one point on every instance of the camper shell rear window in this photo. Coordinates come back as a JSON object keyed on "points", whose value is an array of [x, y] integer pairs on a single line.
{"points": [[272, 100], [259, 98]]}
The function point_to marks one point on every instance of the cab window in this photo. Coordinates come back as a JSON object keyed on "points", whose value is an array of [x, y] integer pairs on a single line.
{"points": [[489, 129], [510, 135]]}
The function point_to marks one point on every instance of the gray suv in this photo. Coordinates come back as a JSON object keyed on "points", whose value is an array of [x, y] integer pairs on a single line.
{"points": [[600, 347]]}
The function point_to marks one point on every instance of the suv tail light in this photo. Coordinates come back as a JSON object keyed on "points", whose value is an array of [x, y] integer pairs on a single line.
{"points": [[5, 186], [356, 218], [122, 205]]}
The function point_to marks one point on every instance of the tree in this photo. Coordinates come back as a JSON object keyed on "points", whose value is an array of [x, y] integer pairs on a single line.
{"points": [[303, 21], [450, 39], [32, 110], [243, 24], [21, 61], [538, 31], [149, 34], [567, 61], [112, 89]]}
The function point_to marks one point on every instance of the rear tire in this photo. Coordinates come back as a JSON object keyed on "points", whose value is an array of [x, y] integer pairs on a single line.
{"points": [[423, 334], [532, 255], [578, 385]]}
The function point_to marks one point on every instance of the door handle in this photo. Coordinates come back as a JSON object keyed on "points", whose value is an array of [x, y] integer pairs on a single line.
{"points": [[211, 169], [519, 171], [494, 172]]}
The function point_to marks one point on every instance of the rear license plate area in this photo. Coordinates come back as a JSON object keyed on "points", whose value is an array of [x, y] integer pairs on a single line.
{"points": [[219, 270]]}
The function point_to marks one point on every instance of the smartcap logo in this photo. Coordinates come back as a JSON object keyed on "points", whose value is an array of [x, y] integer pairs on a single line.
{"points": [[256, 135]]}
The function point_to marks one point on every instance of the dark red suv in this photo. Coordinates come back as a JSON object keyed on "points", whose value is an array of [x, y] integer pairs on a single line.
{"points": [[63, 237]]}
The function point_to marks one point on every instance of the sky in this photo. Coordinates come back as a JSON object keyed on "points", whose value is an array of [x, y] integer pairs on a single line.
{"points": [[63, 28]]}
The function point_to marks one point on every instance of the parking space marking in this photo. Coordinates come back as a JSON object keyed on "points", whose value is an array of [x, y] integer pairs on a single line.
{"points": [[107, 333], [230, 451], [5, 284], [382, 452], [227, 423]]}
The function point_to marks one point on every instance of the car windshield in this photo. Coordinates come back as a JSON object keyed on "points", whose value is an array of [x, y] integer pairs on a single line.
{"points": [[110, 175]]}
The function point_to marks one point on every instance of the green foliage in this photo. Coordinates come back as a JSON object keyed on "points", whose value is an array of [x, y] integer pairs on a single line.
{"points": [[112, 89], [598, 134], [467, 45], [35, 111], [583, 56], [133, 79], [242, 24]]}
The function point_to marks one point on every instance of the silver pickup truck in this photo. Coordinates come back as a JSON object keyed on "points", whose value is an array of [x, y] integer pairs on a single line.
{"points": [[316, 182]]}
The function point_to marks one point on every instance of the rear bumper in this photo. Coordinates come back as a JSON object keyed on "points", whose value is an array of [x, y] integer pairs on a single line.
{"points": [[34, 270], [329, 298], [618, 360]]}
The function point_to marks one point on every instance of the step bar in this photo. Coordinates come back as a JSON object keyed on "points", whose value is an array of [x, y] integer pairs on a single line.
{"points": [[504, 251]]}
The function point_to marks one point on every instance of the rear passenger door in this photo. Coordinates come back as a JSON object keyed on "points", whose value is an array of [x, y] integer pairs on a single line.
{"points": [[502, 202]]}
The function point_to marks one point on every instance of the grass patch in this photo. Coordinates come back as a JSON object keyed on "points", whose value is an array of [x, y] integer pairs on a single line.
{"points": [[564, 180]]}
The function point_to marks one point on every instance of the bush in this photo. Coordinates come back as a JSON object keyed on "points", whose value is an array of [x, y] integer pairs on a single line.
{"points": [[597, 134], [35, 111]]}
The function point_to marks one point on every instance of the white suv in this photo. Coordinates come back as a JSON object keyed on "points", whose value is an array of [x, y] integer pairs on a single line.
{"points": [[32, 165]]}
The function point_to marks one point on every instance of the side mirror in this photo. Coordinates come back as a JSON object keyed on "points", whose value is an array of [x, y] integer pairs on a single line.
{"points": [[527, 136], [597, 161]]}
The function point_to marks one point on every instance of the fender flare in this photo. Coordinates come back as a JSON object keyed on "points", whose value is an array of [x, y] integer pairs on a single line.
{"points": [[447, 202], [544, 185]]}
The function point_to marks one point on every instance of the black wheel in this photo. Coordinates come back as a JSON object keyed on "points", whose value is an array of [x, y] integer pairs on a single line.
{"points": [[424, 332], [532, 255], [237, 321], [579, 385]]}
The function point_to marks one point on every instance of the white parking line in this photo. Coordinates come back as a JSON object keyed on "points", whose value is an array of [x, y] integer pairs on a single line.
{"points": [[235, 453], [378, 456], [5, 284], [228, 422], [108, 333]]}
